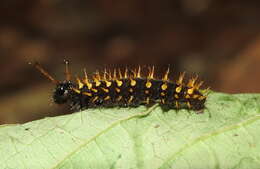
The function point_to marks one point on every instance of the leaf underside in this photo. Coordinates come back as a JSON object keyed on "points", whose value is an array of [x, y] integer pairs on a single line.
{"points": [[224, 136]]}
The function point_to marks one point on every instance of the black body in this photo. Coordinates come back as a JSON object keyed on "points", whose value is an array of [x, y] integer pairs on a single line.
{"points": [[127, 95]]}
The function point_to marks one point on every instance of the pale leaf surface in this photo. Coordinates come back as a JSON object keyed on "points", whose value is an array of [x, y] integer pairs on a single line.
{"points": [[225, 136]]}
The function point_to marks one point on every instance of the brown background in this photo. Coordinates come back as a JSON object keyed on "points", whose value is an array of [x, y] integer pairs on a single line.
{"points": [[217, 39]]}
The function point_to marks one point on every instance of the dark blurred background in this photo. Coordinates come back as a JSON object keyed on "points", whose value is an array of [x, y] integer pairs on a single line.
{"points": [[217, 39]]}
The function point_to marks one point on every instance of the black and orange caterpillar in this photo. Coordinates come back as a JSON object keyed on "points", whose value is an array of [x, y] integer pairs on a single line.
{"points": [[127, 89]]}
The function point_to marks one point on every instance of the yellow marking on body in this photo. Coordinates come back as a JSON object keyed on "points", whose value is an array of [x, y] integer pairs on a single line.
{"points": [[76, 90], [146, 91], [130, 99], [164, 86], [94, 90], [151, 73], [80, 84], [132, 82], [180, 80], [108, 83], [119, 83], [187, 96], [190, 91], [95, 99], [166, 75], [97, 83], [117, 90], [188, 104], [178, 89], [105, 90], [97, 79], [131, 90], [119, 98], [202, 97], [176, 96], [107, 98], [195, 96], [87, 94], [162, 94], [148, 84]]}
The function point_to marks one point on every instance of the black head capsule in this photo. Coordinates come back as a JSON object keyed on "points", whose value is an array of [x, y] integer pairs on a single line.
{"points": [[62, 92]]}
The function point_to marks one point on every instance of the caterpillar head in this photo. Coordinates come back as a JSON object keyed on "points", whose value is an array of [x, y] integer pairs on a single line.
{"points": [[62, 91]]}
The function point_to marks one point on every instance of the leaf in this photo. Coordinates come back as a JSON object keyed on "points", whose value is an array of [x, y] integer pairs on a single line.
{"points": [[225, 136]]}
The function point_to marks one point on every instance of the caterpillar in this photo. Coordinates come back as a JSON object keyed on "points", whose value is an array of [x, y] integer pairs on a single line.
{"points": [[126, 88]]}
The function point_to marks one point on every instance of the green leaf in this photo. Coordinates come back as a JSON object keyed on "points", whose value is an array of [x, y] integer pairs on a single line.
{"points": [[225, 136]]}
